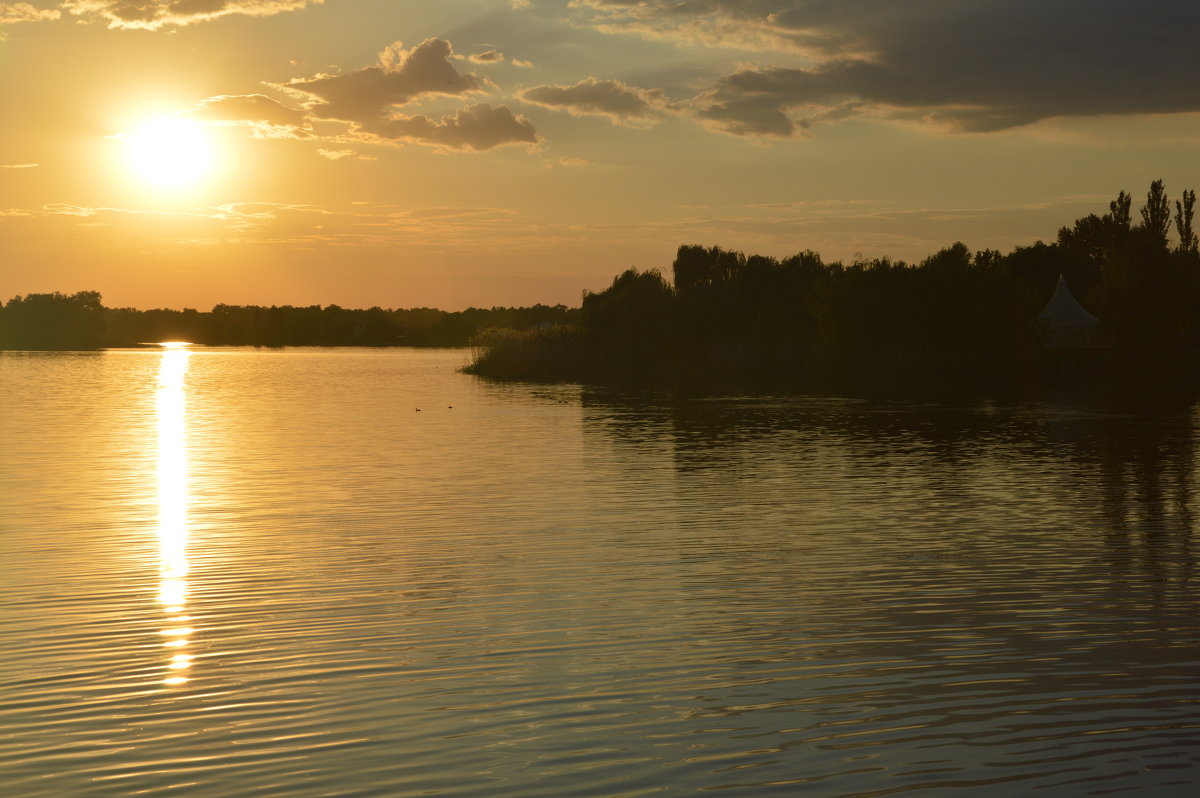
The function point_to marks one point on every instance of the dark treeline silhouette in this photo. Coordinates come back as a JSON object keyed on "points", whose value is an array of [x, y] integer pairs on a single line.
{"points": [[80, 321], [52, 321], [726, 320]]}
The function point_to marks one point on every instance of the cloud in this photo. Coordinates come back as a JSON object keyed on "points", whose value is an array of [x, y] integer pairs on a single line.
{"points": [[65, 209], [17, 165], [366, 97], [521, 62], [979, 66], [478, 127], [12, 13], [621, 103], [781, 102], [743, 24], [255, 110], [486, 57], [363, 106], [155, 14], [354, 224]]}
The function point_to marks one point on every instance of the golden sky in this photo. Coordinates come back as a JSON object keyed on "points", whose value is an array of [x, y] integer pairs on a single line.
{"points": [[463, 152]]}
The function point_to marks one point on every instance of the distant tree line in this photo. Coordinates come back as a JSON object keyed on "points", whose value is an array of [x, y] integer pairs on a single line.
{"points": [[725, 319], [80, 321], [52, 321]]}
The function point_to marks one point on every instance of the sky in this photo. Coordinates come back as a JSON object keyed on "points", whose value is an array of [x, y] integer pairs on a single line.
{"points": [[407, 153]]}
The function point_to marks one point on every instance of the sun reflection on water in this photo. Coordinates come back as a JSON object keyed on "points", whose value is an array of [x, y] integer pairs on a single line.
{"points": [[173, 508]]}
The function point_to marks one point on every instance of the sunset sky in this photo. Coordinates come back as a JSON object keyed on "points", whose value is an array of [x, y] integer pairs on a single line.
{"points": [[508, 152]]}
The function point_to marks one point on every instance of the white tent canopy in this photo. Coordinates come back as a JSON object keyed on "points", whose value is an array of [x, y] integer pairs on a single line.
{"points": [[1068, 322], [1064, 311]]}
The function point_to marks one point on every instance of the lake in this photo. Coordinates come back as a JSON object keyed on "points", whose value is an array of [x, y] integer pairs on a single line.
{"points": [[239, 572]]}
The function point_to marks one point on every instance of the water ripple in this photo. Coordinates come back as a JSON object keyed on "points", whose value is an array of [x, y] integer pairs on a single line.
{"points": [[552, 591]]}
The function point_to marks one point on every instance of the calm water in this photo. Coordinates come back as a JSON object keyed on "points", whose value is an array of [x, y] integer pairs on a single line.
{"points": [[240, 573]]}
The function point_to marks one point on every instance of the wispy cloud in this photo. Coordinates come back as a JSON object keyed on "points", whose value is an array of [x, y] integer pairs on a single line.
{"points": [[295, 225], [249, 108], [13, 13], [156, 14], [487, 57]]}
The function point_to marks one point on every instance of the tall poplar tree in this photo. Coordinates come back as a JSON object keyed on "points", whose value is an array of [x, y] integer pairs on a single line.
{"points": [[1183, 222], [1119, 210], [1156, 215]]}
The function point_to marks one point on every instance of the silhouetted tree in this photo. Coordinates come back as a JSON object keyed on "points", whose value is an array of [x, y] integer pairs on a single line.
{"points": [[987, 259], [629, 326], [1119, 211], [1156, 214], [955, 257], [742, 321], [1149, 293], [53, 321], [1094, 237], [1183, 221]]}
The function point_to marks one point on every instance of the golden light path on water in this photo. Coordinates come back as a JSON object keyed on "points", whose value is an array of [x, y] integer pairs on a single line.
{"points": [[551, 590], [173, 508]]}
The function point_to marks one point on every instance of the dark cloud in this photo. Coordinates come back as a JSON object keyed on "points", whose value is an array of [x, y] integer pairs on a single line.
{"points": [[155, 14], [977, 66], [478, 127], [621, 103], [366, 97]]}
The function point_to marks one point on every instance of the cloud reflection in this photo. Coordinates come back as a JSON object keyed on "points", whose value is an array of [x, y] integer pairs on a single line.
{"points": [[173, 507]]}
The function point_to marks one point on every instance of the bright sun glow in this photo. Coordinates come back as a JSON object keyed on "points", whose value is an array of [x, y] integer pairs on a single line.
{"points": [[170, 153]]}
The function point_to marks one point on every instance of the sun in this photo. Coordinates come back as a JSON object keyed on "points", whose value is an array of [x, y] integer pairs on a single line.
{"points": [[170, 153]]}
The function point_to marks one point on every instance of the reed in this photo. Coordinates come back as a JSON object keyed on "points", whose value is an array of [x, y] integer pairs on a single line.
{"points": [[541, 354]]}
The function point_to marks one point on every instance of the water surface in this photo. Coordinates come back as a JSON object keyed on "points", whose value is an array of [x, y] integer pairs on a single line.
{"points": [[360, 572]]}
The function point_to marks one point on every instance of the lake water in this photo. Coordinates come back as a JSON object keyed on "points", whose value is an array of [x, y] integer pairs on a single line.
{"points": [[362, 573]]}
